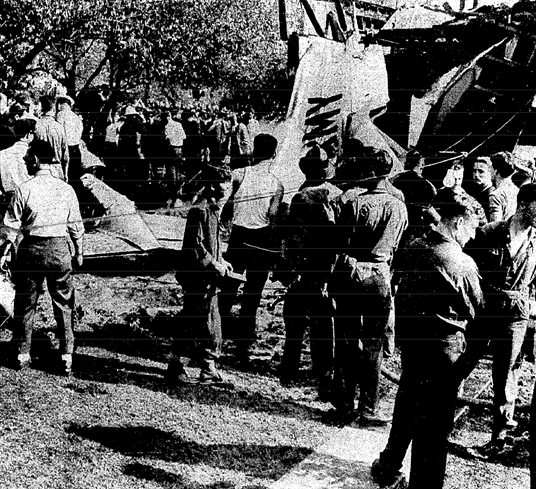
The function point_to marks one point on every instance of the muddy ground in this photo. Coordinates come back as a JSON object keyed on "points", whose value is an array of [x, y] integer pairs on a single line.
{"points": [[114, 424]]}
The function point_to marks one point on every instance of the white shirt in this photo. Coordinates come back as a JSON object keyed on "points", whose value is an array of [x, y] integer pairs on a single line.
{"points": [[13, 170], [112, 132], [252, 200], [175, 133], [44, 206], [72, 125]]}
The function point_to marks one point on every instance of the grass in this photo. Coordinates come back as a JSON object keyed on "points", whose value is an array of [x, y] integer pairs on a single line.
{"points": [[114, 424]]}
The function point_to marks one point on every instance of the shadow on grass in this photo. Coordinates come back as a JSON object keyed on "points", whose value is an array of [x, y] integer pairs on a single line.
{"points": [[109, 370], [152, 263], [156, 346], [122, 339], [516, 452], [142, 441], [169, 480], [515, 455]]}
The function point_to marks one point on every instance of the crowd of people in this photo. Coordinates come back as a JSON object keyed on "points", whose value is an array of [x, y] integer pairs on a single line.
{"points": [[140, 147], [365, 258], [454, 267]]}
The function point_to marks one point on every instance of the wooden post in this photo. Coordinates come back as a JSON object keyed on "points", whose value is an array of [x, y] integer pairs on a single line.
{"points": [[283, 20]]}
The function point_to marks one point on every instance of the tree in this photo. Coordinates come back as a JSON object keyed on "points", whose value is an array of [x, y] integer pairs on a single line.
{"points": [[135, 44]]}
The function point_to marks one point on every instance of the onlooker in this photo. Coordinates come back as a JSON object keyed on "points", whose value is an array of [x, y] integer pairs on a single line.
{"points": [[454, 180], [373, 223], [232, 135], [29, 108], [310, 224], [438, 296], [454, 177], [244, 142], [175, 136], [73, 127], [46, 211], [217, 137], [135, 171], [111, 140], [49, 129], [418, 195], [13, 168], [505, 253], [482, 187], [257, 194], [7, 136], [201, 272], [252, 125], [503, 200], [192, 144]]}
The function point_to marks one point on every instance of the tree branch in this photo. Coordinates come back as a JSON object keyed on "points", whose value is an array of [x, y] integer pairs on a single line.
{"points": [[168, 94], [20, 68], [56, 56], [97, 71]]}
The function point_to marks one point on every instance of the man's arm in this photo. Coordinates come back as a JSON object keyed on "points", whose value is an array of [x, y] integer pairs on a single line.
{"points": [[275, 202], [228, 208], [139, 137], [194, 222], [66, 161], [13, 217], [10, 229], [496, 208], [400, 225], [75, 226], [473, 295]]}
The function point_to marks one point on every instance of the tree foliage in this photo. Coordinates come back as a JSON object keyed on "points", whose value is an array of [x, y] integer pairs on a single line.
{"points": [[133, 44]]}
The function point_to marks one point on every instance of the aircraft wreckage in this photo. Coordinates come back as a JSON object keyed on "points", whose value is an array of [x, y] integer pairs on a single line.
{"points": [[453, 78]]}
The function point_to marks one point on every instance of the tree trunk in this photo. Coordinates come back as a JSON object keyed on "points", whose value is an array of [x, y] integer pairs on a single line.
{"points": [[147, 84]]}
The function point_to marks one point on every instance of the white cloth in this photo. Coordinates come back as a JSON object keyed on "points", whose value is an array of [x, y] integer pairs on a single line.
{"points": [[252, 200]]}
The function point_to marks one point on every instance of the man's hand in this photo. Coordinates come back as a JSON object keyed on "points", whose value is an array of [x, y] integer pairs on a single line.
{"points": [[227, 265], [78, 260], [223, 267], [5, 256]]}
